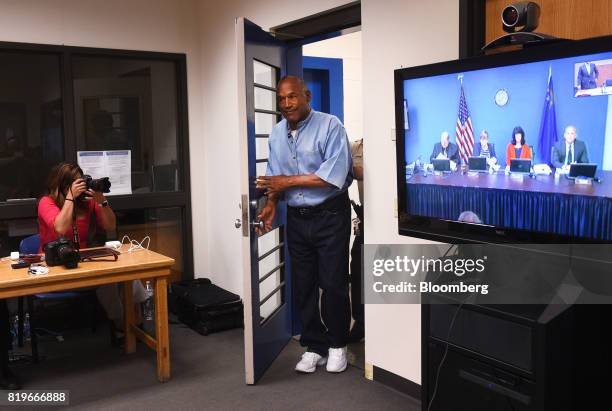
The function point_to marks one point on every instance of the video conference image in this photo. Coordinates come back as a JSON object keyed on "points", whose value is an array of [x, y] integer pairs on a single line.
{"points": [[525, 147]]}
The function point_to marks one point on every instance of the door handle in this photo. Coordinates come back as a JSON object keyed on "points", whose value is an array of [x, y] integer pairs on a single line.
{"points": [[257, 224], [238, 223]]}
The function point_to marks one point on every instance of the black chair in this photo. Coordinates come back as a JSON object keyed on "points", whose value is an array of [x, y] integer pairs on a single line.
{"points": [[30, 245]]}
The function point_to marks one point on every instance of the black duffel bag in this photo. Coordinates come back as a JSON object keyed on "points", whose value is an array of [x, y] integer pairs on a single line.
{"points": [[205, 307]]}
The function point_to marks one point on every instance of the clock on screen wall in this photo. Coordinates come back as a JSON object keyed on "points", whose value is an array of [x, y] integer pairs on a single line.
{"points": [[501, 97]]}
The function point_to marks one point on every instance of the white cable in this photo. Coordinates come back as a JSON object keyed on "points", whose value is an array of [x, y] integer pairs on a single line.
{"points": [[135, 245]]}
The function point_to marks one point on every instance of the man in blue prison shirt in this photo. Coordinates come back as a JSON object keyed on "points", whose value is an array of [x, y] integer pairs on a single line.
{"points": [[310, 163]]}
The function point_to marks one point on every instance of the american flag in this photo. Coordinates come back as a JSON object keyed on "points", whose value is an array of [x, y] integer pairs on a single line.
{"points": [[464, 131]]}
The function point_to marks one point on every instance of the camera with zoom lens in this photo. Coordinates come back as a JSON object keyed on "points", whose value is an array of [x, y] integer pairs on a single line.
{"points": [[61, 252], [101, 185]]}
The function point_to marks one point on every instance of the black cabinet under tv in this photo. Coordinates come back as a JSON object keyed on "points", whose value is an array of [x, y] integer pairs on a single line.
{"points": [[515, 357]]}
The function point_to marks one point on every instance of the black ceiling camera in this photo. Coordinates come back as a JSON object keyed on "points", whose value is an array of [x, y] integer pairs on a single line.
{"points": [[519, 20], [525, 14]]}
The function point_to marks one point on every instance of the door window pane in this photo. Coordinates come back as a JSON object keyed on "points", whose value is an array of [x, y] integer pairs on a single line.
{"points": [[266, 287], [130, 104], [265, 122], [265, 99], [268, 241], [262, 149], [31, 133], [261, 168], [270, 263], [264, 74], [270, 306]]}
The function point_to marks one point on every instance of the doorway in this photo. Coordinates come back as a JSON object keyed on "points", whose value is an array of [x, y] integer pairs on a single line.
{"points": [[280, 54], [333, 73]]}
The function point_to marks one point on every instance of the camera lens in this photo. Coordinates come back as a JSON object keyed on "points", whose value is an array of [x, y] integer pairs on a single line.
{"points": [[68, 255], [102, 185], [510, 16]]}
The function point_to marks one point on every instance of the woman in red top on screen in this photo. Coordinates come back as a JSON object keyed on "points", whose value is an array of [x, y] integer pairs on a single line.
{"points": [[66, 192], [518, 148]]}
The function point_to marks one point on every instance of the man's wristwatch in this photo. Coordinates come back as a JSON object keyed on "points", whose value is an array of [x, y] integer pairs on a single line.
{"points": [[104, 203]]}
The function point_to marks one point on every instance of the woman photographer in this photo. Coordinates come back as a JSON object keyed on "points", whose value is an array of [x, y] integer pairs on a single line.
{"points": [[68, 194]]}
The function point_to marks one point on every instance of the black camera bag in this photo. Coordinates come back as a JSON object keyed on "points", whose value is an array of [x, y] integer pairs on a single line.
{"points": [[205, 307]]}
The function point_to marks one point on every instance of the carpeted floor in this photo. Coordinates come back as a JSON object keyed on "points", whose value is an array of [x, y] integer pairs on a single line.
{"points": [[207, 373]]}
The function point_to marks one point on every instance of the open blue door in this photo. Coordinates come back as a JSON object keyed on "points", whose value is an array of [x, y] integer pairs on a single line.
{"points": [[262, 61]]}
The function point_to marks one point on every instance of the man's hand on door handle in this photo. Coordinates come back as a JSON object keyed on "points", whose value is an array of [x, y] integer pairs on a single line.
{"points": [[267, 214]]}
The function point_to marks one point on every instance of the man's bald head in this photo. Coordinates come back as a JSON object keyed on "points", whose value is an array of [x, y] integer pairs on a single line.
{"points": [[444, 139], [297, 80]]}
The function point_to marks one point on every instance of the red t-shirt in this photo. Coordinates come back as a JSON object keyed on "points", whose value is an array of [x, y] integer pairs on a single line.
{"points": [[47, 213]]}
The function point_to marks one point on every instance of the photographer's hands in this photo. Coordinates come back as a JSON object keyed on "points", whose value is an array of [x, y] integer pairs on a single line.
{"points": [[77, 188]]}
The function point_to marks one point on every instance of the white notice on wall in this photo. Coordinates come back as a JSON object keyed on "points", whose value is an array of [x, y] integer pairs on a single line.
{"points": [[115, 164]]}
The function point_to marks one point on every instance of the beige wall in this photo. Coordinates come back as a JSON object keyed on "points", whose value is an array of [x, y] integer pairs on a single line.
{"points": [[395, 33]]}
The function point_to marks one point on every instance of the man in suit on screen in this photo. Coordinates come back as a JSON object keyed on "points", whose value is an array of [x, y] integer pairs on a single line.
{"points": [[569, 150], [445, 149], [587, 76]]}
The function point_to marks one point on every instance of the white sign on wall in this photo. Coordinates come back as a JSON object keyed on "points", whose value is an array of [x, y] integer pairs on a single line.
{"points": [[114, 164]]}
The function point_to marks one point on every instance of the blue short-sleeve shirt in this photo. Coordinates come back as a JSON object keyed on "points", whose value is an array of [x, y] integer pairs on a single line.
{"points": [[320, 147]]}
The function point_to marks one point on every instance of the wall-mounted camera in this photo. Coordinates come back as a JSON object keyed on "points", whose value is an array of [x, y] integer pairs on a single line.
{"points": [[519, 20], [522, 16]]}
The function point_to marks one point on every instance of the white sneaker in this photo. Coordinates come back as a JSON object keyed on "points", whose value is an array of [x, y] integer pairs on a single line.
{"points": [[309, 362], [337, 361]]}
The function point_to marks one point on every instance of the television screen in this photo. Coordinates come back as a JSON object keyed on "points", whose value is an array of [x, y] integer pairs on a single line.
{"points": [[531, 114]]}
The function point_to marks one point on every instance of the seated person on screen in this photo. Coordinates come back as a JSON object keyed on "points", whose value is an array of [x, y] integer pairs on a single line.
{"points": [[587, 76], [67, 190], [469, 217], [518, 148], [445, 150], [569, 150], [486, 149]]}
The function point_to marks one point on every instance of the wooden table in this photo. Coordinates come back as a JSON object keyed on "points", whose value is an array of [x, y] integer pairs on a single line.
{"points": [[138, 265]]}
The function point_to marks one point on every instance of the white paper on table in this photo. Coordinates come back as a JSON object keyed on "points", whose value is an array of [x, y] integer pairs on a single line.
{"points": [[115, 164]]}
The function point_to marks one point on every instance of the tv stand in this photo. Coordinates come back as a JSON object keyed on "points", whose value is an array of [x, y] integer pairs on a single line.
{"points": [[519, 357]]}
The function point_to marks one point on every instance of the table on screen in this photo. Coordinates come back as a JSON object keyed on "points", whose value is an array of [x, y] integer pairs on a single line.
{"points": [[544, 203]]}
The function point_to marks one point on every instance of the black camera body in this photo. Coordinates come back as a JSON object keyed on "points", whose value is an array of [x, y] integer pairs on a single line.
{"points": [[522, 13], [101, 185], [62, 252]]}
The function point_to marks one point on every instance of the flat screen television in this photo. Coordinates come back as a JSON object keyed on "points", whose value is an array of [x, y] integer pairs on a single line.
{"points": [[550, 104]]}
